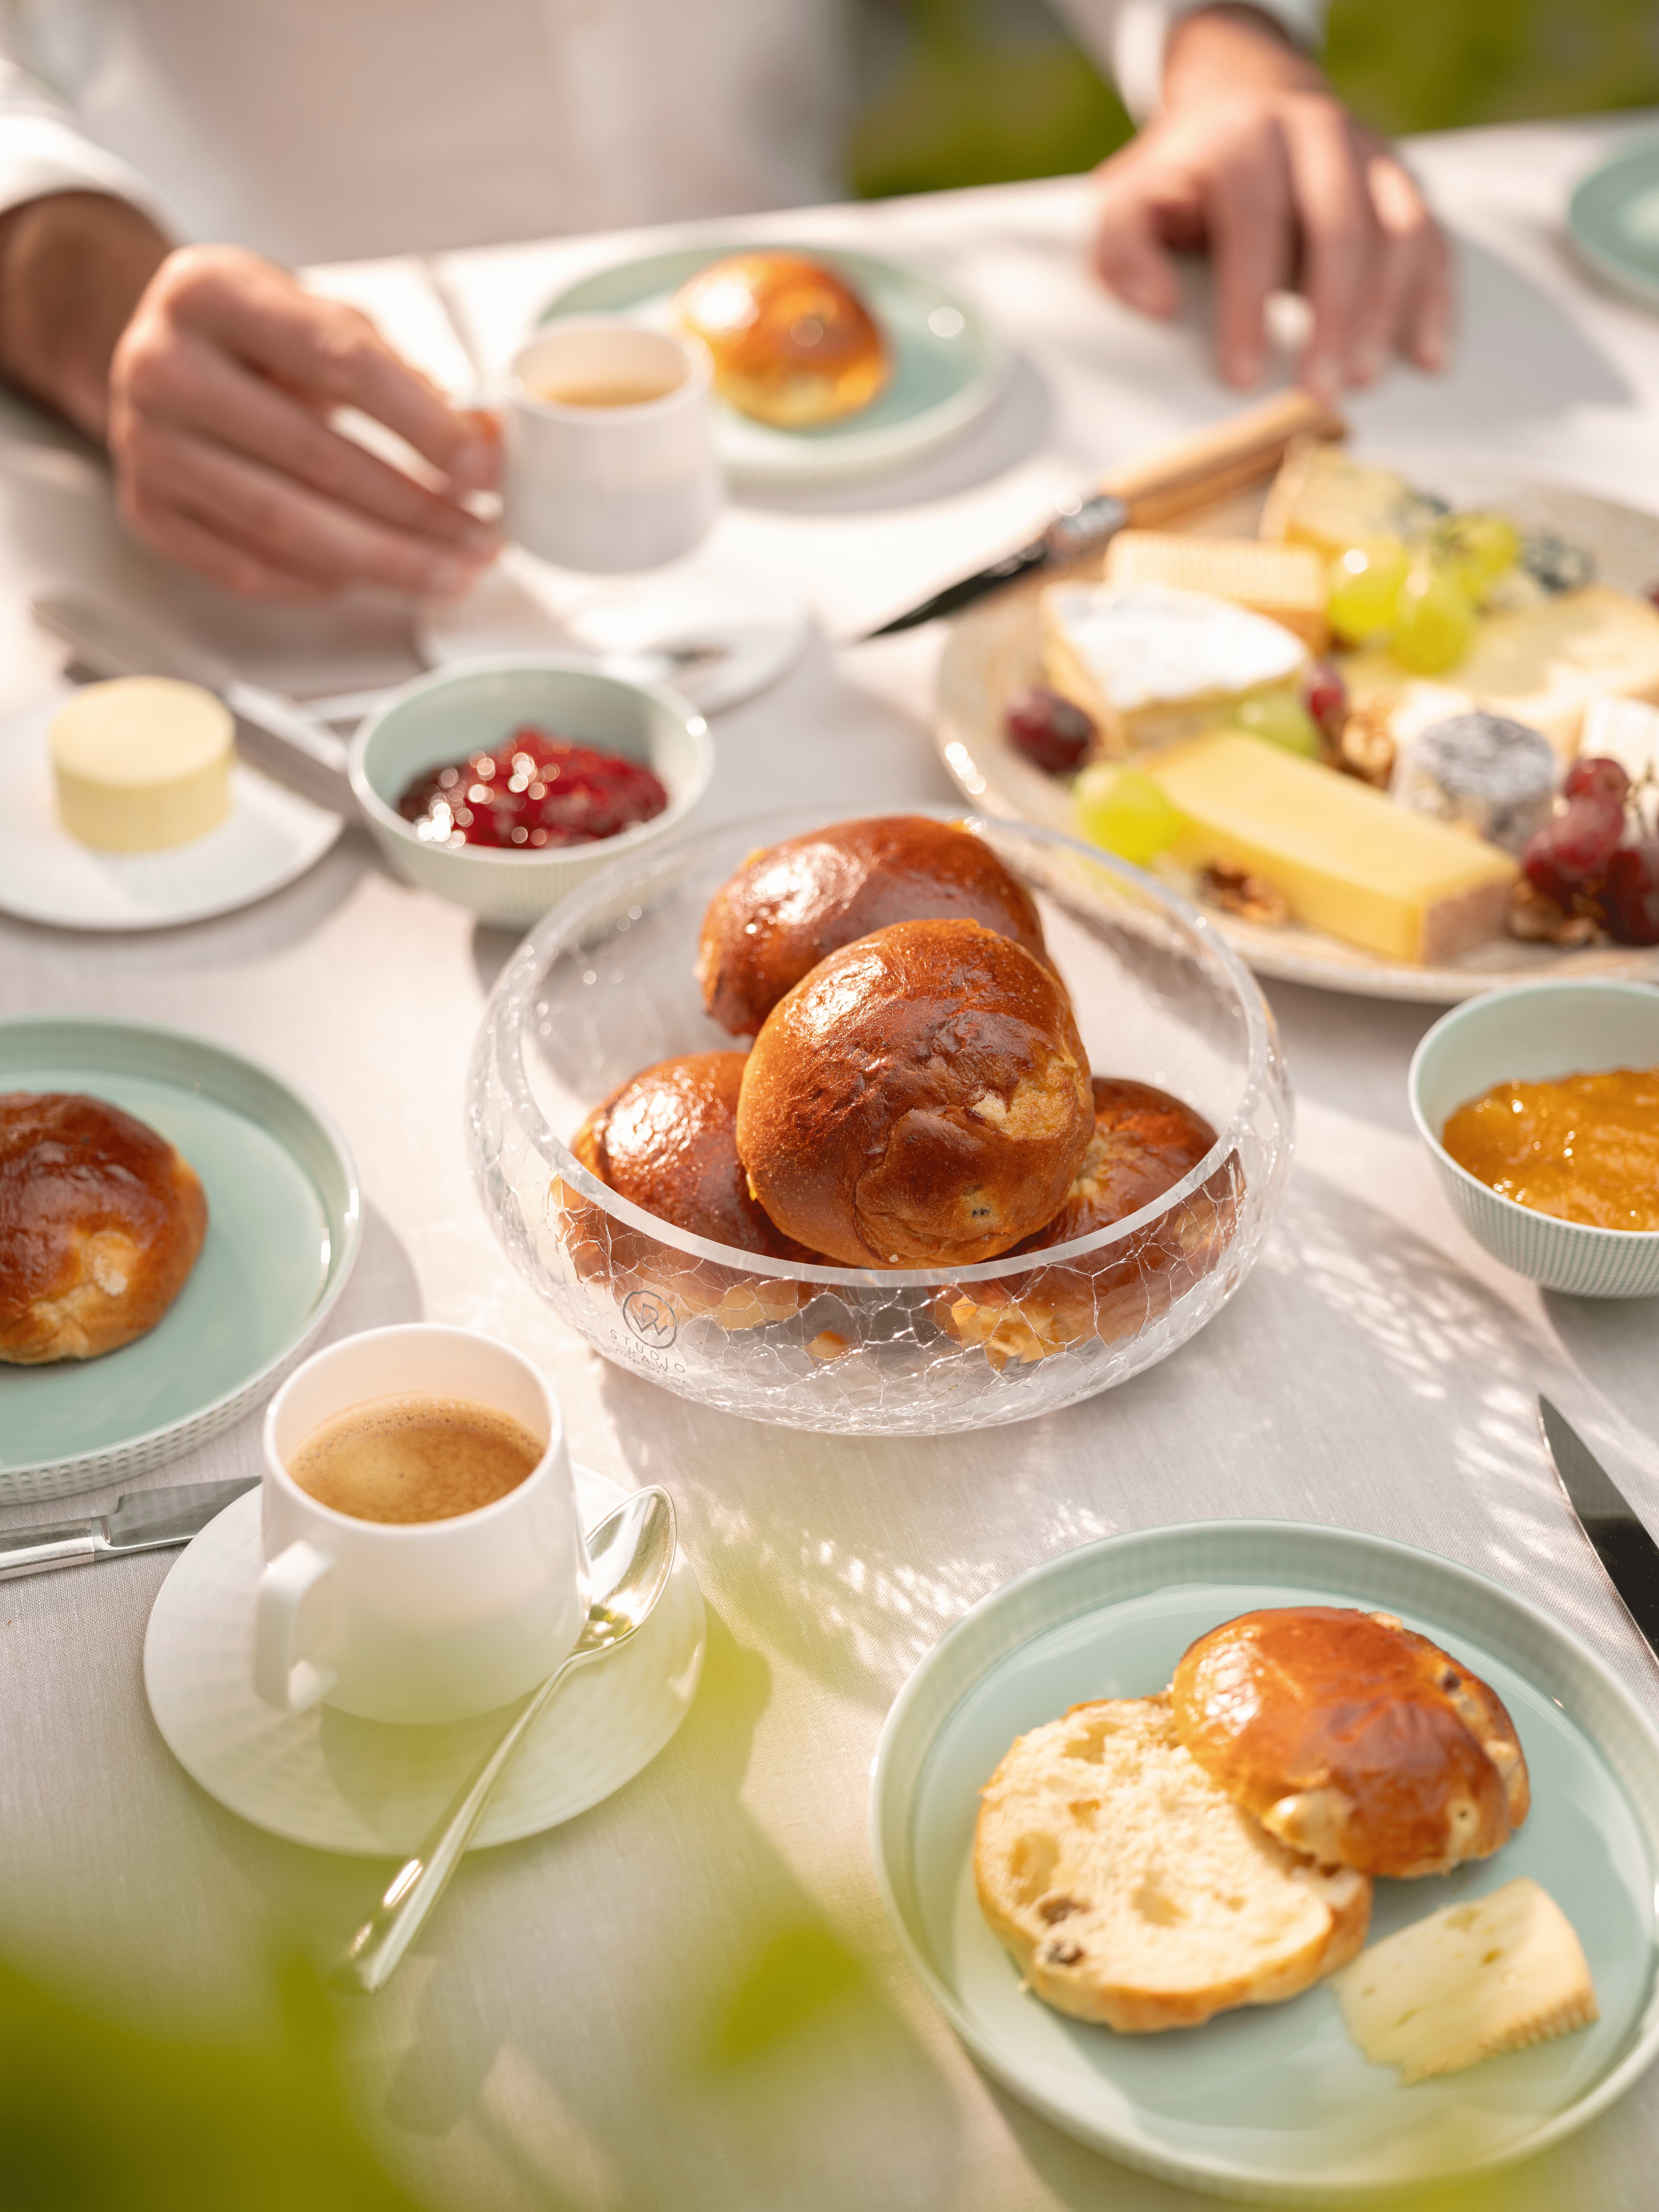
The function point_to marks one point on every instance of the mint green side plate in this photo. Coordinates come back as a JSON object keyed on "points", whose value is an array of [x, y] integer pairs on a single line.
{"points": [[283, 1226], [1274, 2104], [949, 365], [1614, 220]]}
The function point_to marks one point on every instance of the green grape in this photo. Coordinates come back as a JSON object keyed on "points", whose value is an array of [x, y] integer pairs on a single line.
{"points": [[1125, 811], [1364, 583], [1479, 547], [1282, 719], [1435, 623]]}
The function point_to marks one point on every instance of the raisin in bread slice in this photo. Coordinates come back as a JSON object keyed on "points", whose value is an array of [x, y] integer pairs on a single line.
{"points": [[1133, 1891]]}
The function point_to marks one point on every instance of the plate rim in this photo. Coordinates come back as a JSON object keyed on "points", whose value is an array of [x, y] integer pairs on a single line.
{"points": [[1218, 2176], [1636, 283], [325, 836], [885, 451], [247, 1393]]}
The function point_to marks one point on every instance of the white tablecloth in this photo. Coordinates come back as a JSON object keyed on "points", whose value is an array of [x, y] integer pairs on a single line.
{"points": [[556, 2038]]}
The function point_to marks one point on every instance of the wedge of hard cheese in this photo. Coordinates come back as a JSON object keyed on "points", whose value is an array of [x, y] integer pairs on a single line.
{"points": [[1469, 1981], [1324, 498], [1348, 860], [1542, 667], [1286, 583], [1149, 664]]}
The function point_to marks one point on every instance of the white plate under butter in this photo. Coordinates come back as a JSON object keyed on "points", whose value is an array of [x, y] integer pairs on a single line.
{"points": [[272, 836], [992, 649], [370, 1787]]}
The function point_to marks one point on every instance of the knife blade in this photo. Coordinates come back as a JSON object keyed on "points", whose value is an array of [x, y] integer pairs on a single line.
{"points": [[140, 1521], [1191, 473], [1617, 1536]]}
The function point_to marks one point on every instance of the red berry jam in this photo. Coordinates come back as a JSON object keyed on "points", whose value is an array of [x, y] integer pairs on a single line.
{"points": [[530, 792]]}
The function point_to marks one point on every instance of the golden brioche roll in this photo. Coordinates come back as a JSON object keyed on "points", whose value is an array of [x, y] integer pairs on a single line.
{"points": [[1352, 1739], [792, 905], [1144, 1142], [793, 343], [921, 1099], [100, 1223], [665, 1140]]}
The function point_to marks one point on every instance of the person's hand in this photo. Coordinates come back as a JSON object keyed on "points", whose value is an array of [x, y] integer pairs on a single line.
{"points": [[1255, 158], [211, 376], [220, 391]]}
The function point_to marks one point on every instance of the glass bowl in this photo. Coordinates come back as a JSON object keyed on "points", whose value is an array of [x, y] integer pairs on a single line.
{"points": [[603, 988]]}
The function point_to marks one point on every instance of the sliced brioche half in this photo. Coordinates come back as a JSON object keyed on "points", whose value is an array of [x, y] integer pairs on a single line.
{"points": [[1132, 1891]]}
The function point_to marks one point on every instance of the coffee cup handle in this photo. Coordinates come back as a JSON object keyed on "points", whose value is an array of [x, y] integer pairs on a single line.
{"points": [[281, 1675]]}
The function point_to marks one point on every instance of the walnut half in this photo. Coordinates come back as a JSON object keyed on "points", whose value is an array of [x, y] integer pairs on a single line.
{"points": [[1252, 898]]}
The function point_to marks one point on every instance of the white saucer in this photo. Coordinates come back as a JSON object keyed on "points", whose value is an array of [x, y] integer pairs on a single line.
{"points": [[372, 1788], [521, 603], [272, 836]]}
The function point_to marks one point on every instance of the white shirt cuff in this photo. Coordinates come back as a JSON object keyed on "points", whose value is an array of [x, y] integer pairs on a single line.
{"points": [[39, 154]]}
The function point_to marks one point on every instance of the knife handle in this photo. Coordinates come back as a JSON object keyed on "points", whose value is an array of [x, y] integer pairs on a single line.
{"points": [[1221, 459], [31, 1551]]}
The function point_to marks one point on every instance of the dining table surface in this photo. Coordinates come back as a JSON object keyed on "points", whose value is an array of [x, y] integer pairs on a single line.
{"points": [[563, 2033]]}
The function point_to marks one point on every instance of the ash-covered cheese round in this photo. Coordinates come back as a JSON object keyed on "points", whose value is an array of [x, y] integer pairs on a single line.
{"points": [[142, 762], [1480, 772]]}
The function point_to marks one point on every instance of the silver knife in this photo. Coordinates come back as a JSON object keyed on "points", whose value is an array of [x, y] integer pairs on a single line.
{"points": [[1619, 1538], [272, 733], [142, 1521]]}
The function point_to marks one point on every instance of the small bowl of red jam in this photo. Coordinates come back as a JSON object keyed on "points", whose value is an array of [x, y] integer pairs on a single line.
{"points": [[502, 785]]}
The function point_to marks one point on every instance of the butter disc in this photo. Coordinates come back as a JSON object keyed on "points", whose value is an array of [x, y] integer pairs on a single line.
{"points": [[142, 762]]}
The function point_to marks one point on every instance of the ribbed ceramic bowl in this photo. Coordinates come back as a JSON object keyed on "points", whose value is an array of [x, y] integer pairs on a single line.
{"points": [[605, 988], [471, 704], [1535, 1034]]}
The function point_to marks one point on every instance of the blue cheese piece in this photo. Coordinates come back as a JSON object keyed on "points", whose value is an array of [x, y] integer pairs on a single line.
{"points": [[1469, 1981], [1151, 662], [1480, 772]]}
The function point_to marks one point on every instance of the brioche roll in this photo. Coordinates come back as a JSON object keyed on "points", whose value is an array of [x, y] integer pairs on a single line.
{"points": [[1352, 1739], [665, 1140], [100, 1223], [1144, 1142], [919, 1100], [792, 342], [793, 904]]}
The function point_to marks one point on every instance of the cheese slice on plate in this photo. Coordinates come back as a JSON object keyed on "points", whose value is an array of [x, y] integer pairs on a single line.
{"points": [[1285, 583], [1347, 859], [1471, 1981], [1149, 664], [1324, 498], [142, 762]]}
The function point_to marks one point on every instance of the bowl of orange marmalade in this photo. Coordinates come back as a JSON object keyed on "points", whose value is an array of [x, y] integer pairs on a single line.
{"points": [[1539, 1106]]}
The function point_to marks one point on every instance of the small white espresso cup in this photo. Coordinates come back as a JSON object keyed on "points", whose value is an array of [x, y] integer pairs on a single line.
{"points": [[608, 487], [427, 1620]]}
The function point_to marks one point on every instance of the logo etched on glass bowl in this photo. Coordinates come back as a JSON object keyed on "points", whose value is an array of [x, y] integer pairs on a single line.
{"points": [[651, 1318]]}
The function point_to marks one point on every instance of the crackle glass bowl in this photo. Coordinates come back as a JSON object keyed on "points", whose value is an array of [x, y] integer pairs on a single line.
{"points": [[603, 988]]}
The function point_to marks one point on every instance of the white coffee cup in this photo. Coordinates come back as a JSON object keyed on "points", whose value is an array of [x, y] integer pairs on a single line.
{"points": [[608, 487], [427, 1620]]}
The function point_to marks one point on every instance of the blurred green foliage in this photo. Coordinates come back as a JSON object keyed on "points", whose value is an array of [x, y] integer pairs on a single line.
{"points": [[975, 92], [97, 2115]]}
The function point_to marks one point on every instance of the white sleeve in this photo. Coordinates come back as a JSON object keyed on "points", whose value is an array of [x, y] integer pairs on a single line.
{"points": [[43, 149], [1129, 37]]}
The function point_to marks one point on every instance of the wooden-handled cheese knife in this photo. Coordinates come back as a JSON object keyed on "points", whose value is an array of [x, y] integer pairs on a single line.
{"points": [[1195, 472]]}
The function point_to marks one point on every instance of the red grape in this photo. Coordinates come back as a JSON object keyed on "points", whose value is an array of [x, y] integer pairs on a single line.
{"points": [[1052, 732], [1591, 778], [1629, 897], [1571, 850], [1325, 696]]}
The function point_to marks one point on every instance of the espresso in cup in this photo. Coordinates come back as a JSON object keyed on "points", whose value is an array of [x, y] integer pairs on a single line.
{"points": [[414, 1458]]}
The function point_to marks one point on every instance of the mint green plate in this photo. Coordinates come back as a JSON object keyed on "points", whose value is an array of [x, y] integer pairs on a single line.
{"points": [[283, 1227], [1274, 2104], [1612, 219], [949, 365]]}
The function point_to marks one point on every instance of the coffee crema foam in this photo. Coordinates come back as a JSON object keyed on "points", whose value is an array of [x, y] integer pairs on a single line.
{"points": [[414, 1458]]}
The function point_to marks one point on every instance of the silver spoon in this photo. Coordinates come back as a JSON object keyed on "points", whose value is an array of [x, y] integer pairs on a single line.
{"points": [[632, 1550]]}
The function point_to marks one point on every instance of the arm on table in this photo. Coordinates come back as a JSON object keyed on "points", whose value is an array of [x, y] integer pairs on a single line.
{"points": [[1250, 155], [210, 375]]}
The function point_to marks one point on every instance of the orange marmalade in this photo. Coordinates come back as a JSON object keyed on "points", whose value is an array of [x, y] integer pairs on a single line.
{"points": [[1586, 1148]]}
